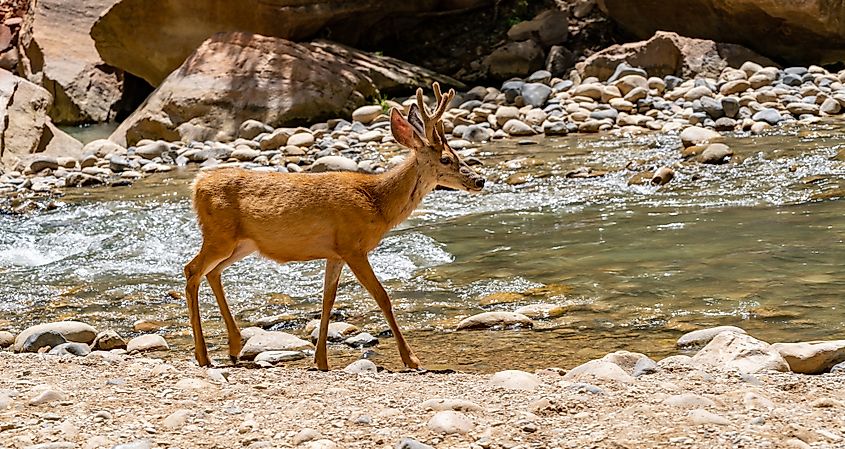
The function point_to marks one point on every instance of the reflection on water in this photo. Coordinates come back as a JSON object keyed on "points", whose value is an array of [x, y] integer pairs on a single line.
{"points": [[91, 132], [633, 266]]}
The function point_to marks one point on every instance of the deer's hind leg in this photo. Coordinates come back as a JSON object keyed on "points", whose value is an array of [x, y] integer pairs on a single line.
{"points": [[210, 255], [243, 249]]}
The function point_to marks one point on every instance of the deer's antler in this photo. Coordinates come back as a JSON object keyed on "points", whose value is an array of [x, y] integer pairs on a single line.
{"points": [[431, 121]]}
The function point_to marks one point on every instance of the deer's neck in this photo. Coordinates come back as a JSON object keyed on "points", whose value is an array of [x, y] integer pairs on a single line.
{"points": [[400, 191]]}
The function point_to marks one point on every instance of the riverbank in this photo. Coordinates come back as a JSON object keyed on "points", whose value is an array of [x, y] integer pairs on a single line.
{"points": [[140, 402]]}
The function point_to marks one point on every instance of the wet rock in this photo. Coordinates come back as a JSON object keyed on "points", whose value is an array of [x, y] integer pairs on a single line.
{"points": [[515, 127], [361, 366], [410, 443], [701, 337], [6, 339], [274, 357], [541, 311], [77, 349], [695, 135], [450, 422], [598, 371], [149, 342], [362, 340], [487, 320], [271, 341], [74, 331], [814, 357], [735, 351], [715, 153], [108, 340], [514, 380], [662, 176], [337, 331], [334, 163], [459, 405]]}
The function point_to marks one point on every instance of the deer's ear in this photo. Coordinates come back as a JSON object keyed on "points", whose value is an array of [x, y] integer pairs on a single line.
{"points": [[403, 131], [415, 119]]}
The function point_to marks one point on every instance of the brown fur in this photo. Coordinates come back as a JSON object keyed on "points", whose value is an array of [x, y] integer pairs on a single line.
{"points": [[336, 216]]}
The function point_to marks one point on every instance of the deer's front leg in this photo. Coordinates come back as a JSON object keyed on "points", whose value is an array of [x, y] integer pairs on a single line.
{"points": [[360, 265], [333, 269]]}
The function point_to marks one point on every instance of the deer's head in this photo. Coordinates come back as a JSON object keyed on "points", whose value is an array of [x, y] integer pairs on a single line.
{"points": [[423, 133]]}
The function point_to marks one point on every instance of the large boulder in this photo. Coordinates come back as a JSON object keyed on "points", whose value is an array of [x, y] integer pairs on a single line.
{"points": [[25, 127], [797, 32], [667, 53], [812, 357], [234, 77], [59, 54], [152, 41]]}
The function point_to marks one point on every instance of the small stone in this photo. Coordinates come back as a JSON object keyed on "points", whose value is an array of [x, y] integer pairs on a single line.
{"points": [[487, 320], [151, 150], [250, 129], [191, 383], [275, 357], [361, 366], [598, 370], [536, 94], [735, 87], [108, 340], [715, 153], [725, 124], [801, 108], [555, 128], [320, 444], [305, 435], [703, 417], [46, 397], [459, 405], [830, 107], [46, 339], [514, 380], [701, 337], [712, 107], [515, 127], [42, 162], [410, 443], [6, 339], [769, 115], [334, 163], [149, 342], [450, 422], [362, 340], [337, 330], [70, 330], [137, 444], [302, 139], [689, 401], [245, 154], [370, 136], [147, 325], [176, 419], [76, 349], [271, 341], [274, 140], [541, 311], [366, 114], [695, 135]]}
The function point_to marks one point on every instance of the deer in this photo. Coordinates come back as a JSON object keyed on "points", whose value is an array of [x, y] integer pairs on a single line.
{"points": [[336, 216]]}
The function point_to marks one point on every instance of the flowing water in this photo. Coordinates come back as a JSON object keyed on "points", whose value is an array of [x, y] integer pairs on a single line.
{"points": [[759, 244]]}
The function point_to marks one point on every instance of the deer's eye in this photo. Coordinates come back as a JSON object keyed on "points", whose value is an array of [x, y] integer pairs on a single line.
{"points": [[445, 160]]}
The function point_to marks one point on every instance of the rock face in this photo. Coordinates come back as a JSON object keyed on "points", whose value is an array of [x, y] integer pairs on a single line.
{"points": [[799, 32], [25, 127], [734, 351], [667, 53], [161, 37], [234, 77], [60, 55]]}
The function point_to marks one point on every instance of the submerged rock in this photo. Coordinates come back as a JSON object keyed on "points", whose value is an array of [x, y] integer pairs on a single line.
{"points": [[487, 320]]}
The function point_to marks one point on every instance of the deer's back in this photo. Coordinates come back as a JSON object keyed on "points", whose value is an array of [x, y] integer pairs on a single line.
{"points": [[288, 212]]}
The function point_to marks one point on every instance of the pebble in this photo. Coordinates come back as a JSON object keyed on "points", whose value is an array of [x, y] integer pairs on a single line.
{"points": [[176, 419], [137, 444], [450, 422], [515, 127], [46, 397], [703, 417], [320, 444], [75, 349], [459, 405], [275, 357], [487, 320], [108, 340], [598, 371], [514, 380], [410, 443], [301, 140], [366, 114], [689, 401], [305, 435], [334, 163], [149, 342], [768, 115], [271, 341], [361, 366], [362, 340]]}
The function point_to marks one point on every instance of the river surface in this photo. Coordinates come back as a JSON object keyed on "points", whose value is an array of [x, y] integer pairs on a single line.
{"points": [[758, 244]]}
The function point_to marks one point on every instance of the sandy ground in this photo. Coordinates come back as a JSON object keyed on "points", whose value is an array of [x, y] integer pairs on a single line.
{"points": [[94, 402]]}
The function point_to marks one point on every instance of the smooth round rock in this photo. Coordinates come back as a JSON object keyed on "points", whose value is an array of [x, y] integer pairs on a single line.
{"points": [[274, 357], [703, 336], [301, 140], [450, 422], [334, 163], [149, 342], [70, 330], [487, 320], [361, 366], [366, 114], [108, 340], [77, 349], [514, 380], [271, 341], [6, 339]]}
